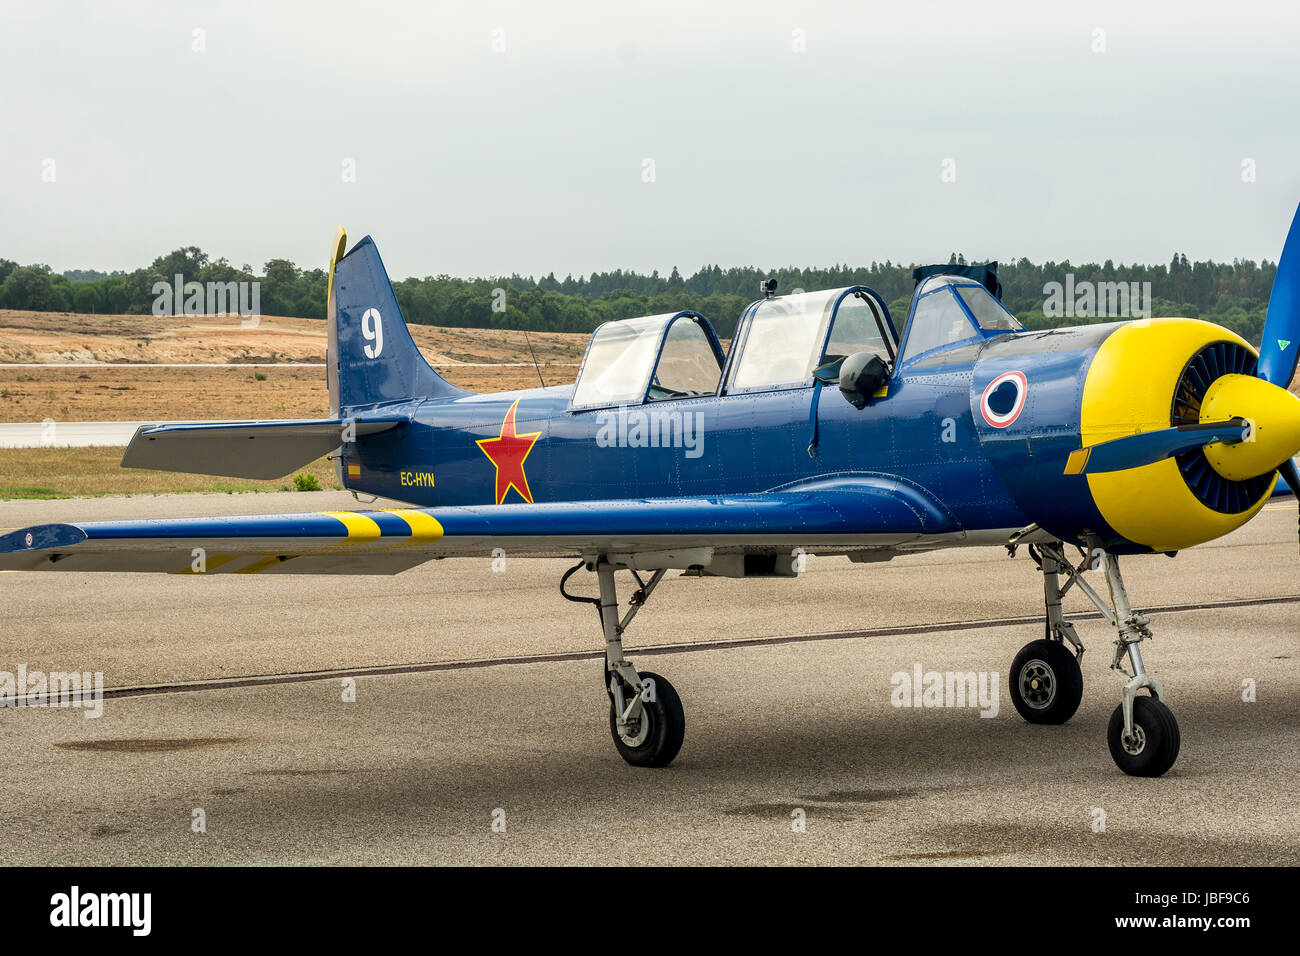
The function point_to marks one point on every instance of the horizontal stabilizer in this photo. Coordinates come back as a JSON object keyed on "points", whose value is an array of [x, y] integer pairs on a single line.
{"points": [[269, 449]]}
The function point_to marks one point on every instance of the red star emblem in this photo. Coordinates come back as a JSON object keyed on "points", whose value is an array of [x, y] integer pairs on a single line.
{"points": [[507, 453]]}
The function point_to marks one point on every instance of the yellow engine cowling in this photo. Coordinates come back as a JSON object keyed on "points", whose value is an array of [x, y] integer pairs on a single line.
{"points": [[1130, 388]]}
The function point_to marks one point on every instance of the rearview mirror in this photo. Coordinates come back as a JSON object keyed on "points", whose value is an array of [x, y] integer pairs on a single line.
{"points": [[861, 376]]}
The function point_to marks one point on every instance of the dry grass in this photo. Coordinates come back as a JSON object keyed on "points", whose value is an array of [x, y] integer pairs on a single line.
{"points": [[93, 472], [126, 393]]}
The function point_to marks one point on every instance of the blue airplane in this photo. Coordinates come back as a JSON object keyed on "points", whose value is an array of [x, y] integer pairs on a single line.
{"points": [[669, 454]]}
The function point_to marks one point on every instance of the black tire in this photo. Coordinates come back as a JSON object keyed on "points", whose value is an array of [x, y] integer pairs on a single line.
{"points": [[1158, 739], [665, 730], [1046, 683]]}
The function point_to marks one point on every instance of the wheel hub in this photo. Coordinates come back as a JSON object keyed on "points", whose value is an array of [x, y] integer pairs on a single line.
{"points": [[1037, 684], [635, 738], [1135, 744], [637, 729]]}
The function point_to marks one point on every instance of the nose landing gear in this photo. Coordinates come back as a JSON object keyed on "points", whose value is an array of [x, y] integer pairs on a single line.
{"points": [[1143, 734], [1047, 684]]}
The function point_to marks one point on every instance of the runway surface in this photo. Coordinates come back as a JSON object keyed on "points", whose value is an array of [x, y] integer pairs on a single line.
{"points": [[478, 699], [54, 434]]}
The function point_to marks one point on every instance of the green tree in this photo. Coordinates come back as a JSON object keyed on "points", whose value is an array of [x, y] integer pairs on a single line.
{"points": [[29, 287]]}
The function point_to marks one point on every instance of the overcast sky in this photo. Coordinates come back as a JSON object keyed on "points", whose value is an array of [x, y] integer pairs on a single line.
{"points": [[491, 138]]}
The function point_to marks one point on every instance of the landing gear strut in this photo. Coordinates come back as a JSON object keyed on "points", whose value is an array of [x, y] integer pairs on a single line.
{"points": [[1047, 684], [646, 718]]}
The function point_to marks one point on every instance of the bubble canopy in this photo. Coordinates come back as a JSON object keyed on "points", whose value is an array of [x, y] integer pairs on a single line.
{"points": [[654, 358]]}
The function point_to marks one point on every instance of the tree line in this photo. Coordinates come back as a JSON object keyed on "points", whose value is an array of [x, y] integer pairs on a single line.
{"points": [[1232, 294]]}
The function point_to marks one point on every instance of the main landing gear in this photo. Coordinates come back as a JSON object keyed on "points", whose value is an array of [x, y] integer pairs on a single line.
{"points": [[1046, 682], [646, 718]]}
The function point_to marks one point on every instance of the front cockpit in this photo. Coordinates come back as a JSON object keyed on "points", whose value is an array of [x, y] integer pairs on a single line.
{"points": [[952, 310], [782, 342]]}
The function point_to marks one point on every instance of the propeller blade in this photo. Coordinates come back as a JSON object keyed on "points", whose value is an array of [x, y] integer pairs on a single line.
{"points": [[1134, 451], [1280, 343], [1291, 476]]}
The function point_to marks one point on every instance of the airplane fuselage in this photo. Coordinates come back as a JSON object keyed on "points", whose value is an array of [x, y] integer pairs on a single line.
{"points": [[985, 469], [927, 431]]}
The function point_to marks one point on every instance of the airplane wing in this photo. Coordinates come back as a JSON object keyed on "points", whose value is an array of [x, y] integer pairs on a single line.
{"points": [[840, 516]]}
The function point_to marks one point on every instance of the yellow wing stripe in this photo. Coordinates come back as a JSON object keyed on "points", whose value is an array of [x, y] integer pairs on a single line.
{"points": [[424, 527], [360, 528]]}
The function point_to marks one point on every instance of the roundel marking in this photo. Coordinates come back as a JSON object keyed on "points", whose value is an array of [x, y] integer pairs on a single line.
{"points": [[1004, 399], [28, 539]]}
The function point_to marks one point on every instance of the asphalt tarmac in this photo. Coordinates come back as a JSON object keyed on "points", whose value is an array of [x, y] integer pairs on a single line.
{"points": [[479, 733]]}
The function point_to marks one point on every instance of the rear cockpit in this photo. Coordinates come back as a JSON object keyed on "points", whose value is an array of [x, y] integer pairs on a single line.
{"points": [[655, 358]]}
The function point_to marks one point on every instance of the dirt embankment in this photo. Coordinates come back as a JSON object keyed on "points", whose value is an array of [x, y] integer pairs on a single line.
{"points": [[70, 337], [123, 387]]}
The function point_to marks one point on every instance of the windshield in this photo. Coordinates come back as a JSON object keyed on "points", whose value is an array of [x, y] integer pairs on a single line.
{"points": [[988, 311], [855, 330]]}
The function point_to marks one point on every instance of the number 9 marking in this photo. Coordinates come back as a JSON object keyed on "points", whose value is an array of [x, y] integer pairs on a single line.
{"points": [[372, 329]]}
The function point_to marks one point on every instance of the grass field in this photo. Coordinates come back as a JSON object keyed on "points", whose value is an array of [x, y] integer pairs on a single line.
{"points": [[119, 387]]}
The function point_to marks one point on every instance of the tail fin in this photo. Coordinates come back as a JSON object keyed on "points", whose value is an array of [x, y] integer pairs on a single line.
{"points": [[373, 360]]}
